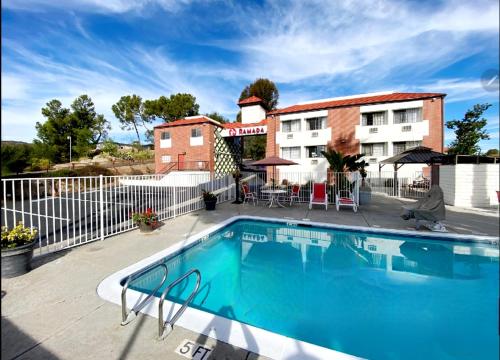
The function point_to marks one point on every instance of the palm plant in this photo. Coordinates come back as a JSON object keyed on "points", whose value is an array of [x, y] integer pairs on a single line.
{"points": [[342, 163]]}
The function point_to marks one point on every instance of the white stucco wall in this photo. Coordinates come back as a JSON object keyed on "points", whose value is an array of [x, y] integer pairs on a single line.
{"points": [[252, 114], [470, 185]]}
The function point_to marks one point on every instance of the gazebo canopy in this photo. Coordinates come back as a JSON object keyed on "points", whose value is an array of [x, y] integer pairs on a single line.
{"points": [[415, 155]]}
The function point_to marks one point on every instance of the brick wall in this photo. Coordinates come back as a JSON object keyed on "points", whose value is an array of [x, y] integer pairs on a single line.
{"points": [[343, 123], [272, 149], [180, 136], [433, 111]]}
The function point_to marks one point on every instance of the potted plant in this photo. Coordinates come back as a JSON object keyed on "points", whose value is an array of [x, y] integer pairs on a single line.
{"points": [[210, 199], [17, 250], [147, 220]]}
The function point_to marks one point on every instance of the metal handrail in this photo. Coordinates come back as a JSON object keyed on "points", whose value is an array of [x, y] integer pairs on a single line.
{"points": [[165, 328], [129, 316]]}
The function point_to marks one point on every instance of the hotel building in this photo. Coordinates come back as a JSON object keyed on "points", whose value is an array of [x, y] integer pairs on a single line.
{"points": [[379, 125]]}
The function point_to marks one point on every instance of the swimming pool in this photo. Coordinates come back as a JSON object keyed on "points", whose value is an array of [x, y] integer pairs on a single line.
{"points": [[276, 287]]}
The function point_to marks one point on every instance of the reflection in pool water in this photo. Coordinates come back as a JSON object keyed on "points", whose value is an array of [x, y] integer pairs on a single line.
{"points": [[370, 295]]}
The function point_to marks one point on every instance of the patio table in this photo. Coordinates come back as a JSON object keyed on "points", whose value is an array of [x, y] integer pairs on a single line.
{"points": [[274, 197]]}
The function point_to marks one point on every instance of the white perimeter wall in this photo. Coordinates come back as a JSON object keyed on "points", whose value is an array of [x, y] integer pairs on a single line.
{"points": [[470, 185]]}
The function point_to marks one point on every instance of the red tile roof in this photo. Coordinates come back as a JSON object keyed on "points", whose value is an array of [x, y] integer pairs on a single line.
{"points": [[189, 121], [250, 100], [237, 125], [375, 99]]}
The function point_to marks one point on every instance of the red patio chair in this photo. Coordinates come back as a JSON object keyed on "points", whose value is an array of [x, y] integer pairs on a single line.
{"points": [[319, 195]]}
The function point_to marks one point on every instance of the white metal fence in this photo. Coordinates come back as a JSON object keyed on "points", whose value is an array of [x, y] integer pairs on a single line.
{"points": [[405, 185], [343, 183], [72, 211]]}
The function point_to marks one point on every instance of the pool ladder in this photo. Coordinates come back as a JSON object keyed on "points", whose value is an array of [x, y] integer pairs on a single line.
{"points": [[164, 328]]}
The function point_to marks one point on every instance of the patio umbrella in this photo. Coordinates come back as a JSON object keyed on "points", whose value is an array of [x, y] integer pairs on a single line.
{"points": [[273, 161]]}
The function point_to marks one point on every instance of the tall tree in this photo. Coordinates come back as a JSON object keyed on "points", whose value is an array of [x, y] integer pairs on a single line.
{"points": [[254, 147], [469, 131], [264, 89], [129, 110], [80, 123], [177, 106], [217, 117]]}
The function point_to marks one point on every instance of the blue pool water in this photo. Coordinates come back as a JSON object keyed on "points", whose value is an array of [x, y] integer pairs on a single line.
{"points": [[370, 295]]}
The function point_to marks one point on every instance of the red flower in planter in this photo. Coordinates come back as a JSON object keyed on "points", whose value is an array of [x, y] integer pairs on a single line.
{"points": [[149, 217]]}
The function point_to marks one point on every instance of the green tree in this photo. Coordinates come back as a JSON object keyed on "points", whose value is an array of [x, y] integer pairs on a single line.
{"points": [[80, 123], [492, 152], [254, 147], [177, 106], [264, 89], [15, 157], [217, 117], [110, 148], [469, 131], [130, 112]]}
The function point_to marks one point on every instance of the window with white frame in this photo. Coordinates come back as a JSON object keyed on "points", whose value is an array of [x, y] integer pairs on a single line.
{"points": [[196, 132], [407, 116], [374, 118], [166, 158], [400, 146], [316, 123], [315, 151], [165, 140], [374, 149], [196, 137], [290, 125], [292, 152]]}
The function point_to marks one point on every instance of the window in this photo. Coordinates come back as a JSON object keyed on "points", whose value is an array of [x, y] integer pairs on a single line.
{"points": [[196, 132], [165, 135], [317, 123], [374, 118], [290, 125], [165, 159], [407, 116], [374, 149], [290, 152], [399, 147], [315, 151]]}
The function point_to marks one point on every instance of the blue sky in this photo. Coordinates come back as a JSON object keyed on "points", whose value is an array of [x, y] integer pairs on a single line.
{"points": [[212, 49]]}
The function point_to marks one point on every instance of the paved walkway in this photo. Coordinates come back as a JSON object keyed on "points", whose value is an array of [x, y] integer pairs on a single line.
{"points": [[53, 312]]}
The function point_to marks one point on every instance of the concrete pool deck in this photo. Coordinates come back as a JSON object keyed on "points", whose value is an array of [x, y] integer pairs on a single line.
{"points": [[54, 312]]}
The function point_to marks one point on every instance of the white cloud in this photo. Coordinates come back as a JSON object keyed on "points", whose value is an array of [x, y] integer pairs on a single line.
{"points": [[97, 6], [313, 49], [307, 39]]}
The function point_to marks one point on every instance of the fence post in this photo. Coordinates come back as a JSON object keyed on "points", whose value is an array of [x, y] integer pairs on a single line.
{"points": [[175, 198], [101, 204]]}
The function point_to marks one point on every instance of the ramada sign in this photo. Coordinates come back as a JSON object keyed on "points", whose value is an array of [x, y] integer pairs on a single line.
{"points": [[246, 131]]}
